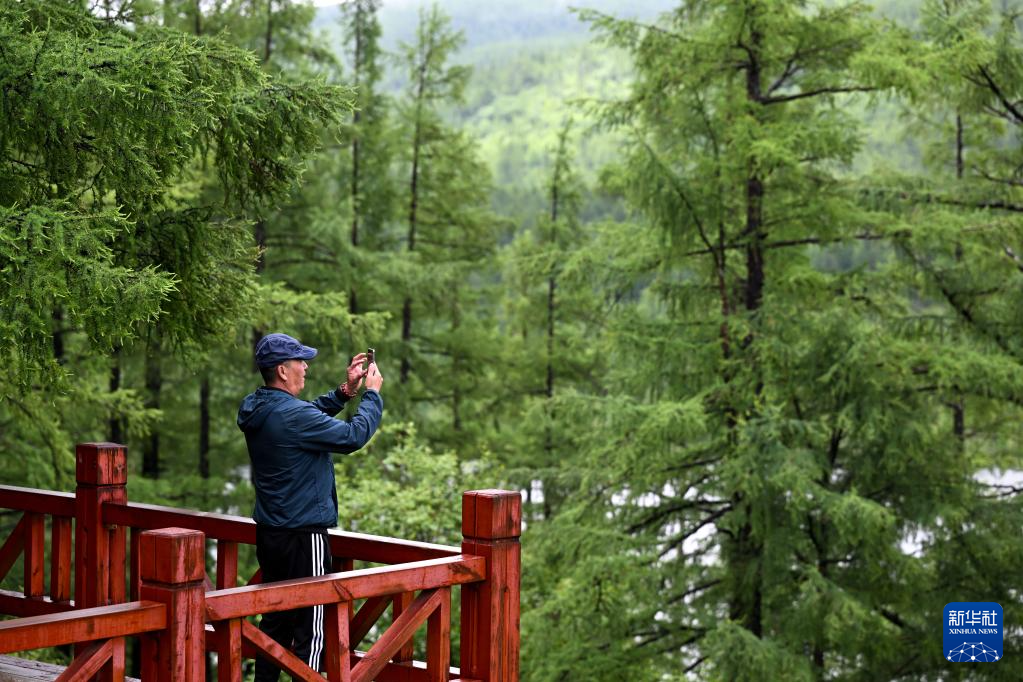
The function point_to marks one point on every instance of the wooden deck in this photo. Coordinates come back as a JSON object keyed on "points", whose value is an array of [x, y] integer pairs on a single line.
{"points": [[14, 669]]}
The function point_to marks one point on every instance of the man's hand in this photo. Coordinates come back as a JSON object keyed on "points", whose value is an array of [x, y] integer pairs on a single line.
{"points": [[374, 380], [355, 375]]}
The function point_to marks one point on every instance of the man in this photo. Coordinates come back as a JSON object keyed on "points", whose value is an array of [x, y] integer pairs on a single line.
{"points": [[290, 443]]}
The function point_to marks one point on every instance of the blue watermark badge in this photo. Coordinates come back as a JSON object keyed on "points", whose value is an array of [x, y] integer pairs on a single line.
{"points": [[973, 632]]}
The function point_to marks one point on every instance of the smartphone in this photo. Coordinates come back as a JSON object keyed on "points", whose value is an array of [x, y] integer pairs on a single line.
{"points": [[371, 356]]}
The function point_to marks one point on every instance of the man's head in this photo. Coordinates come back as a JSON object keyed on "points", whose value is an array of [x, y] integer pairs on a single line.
{"points": [[282, 361]]}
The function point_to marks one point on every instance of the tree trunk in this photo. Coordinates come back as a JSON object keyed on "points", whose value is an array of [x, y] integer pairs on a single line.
{"points": [[58, 334], [551, 288], [958, 408], [204, 427], [456, 365], [356, 118], [268, 43], [406, 310], [259, 232], [747, 592], [154, 382], [115, 429], [960, 163]]}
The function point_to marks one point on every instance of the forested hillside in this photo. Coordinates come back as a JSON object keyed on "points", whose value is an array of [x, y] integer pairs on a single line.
{"points": [[731, 290]]}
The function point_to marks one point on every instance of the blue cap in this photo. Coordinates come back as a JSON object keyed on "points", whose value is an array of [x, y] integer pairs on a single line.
{"points": [[273, 349]]}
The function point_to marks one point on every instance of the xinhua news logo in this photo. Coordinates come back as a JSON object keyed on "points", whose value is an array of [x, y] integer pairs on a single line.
{"points": [[973, 632]]}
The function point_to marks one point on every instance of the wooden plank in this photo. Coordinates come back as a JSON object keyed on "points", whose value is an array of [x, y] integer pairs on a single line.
{"points": [[34, 555], [88, 662], [241, 529], [281, 656], [383, 550], [16, 604], [13, 546], [60, 558], [399, 604], [13, 669], [135, 565], [413, 671], [227, 564], [369, 613], [339, 651], [82, 625], [113, 671], [117, 587], [152, 516], [38, 501], [391, 641], [229, 651], [334, 587], [438, 639]]}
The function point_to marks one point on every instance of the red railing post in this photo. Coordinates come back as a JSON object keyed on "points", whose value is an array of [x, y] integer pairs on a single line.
{"points": [[172, 568], [491, 525], [102, 474]]}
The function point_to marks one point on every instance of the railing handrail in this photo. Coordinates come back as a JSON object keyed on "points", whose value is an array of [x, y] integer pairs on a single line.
{"points": [[237, 602], [217, 526], [83, 625], [242, 529], [37, 501]]}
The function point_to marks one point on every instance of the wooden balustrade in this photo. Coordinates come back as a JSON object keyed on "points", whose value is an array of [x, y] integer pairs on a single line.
{"points": [[178, 612], [28, 541]]}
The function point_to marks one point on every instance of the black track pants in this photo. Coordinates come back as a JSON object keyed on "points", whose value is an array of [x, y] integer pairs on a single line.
{"points": [[285, 553]]}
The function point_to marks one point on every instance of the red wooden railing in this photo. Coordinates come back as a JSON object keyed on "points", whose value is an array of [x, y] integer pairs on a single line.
{"points": [[179, 613]]}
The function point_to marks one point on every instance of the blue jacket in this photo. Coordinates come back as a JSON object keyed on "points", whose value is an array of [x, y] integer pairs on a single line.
{"points": [[290, 441]]}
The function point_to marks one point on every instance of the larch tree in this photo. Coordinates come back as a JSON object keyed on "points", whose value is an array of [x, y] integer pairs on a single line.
{"points": [[753, 486], [366, 170], [962, 233], [551, 315], [450, 236]]}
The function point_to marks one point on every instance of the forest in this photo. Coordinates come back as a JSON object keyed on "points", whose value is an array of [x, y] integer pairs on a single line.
{"points": [[731, 290]]}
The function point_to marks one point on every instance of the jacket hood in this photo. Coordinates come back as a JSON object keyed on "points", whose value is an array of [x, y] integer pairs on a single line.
{"points": [[256, 407]]}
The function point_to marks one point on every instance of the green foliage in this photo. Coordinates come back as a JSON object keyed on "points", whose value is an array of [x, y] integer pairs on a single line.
{"points": [[785, 430], [131, 153], [440, 286], [53, 256], [407, 490], [746, 333]]}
